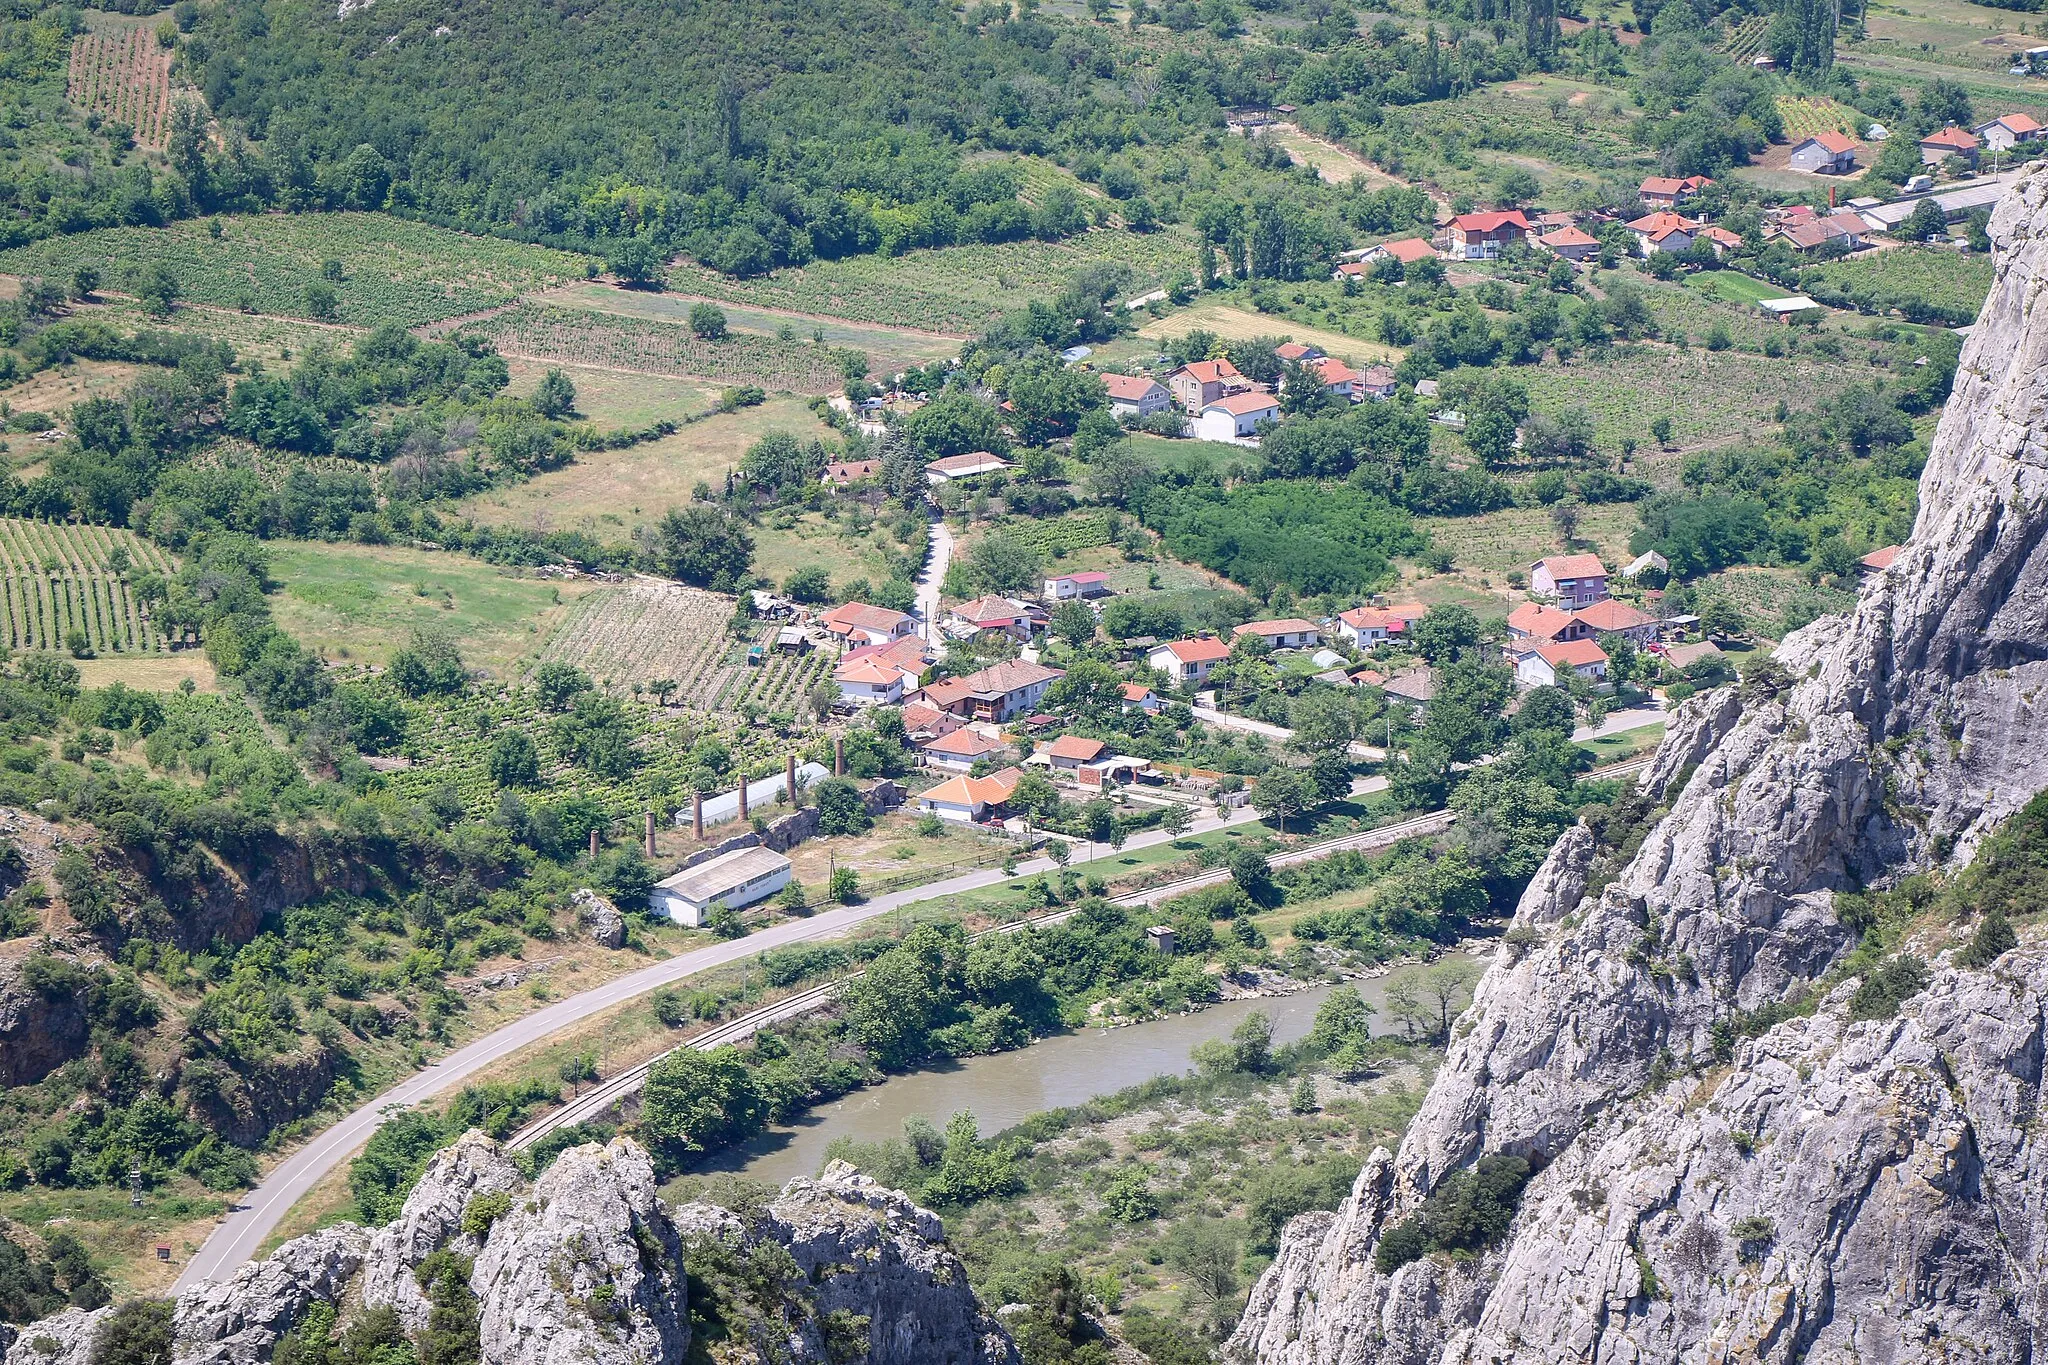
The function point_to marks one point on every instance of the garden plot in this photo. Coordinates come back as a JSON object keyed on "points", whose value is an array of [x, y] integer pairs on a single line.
{"points": [[645, 633], [578, 336], [66, 587], [123, 74], [1709, 396]]}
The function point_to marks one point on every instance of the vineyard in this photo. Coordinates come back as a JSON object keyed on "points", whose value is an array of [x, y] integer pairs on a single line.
{"points": [[538, 331], [391, 270], [958, 289], [124, 76], [1927, 284], [1806, 115], [643, 633], [57, 578], [1746, 39], [1062, 535]]}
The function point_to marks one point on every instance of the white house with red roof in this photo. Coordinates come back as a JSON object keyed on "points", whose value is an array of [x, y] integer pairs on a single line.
{"points": [[1657, 232], [968, 799], [1554, 664], [1609, 617], [1199, 383], [1337, 377], [2007, 131], [1535, 623], [1668, 192], [858, 624], [1135, 395], [1015, 619], [870, 681], [995, 693], [1876, 562], [960, 750], [1407, 250], [1366, 627], [1297, 352], [1188, 661], [1236, 416], [1482, 236], [1824, 154], [1067, 587], [1377, 382], [1573, 581]]}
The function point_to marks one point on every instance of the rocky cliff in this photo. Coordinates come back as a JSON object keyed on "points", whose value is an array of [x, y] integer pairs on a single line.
{"points": [[587, 1266], [1837, 1191]]}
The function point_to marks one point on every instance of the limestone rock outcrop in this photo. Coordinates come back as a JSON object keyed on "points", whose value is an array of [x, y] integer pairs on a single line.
{"points": [[237, 1321], [431, 1221], [1894, 1161]]}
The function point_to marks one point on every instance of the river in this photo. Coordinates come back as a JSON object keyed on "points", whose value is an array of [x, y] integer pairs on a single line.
{"points": [[1003, 1088]]}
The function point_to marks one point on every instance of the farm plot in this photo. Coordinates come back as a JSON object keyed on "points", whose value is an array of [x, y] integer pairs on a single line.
{"points": [[391, 270], [643, 633], [124, 75], [779, 683], [1515, 537], [575, 336], [1927, 284], [66, 587], [958, 289], [1807, 115], [1708, 395]]}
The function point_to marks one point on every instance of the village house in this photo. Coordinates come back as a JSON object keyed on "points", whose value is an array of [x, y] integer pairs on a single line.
{"points": [[1236, 416], [1554, 664], [1572, 581], [2007, 131], [1297, 352], [967, 800], [1482, 236], [1138, 697], [1571, 243], [959, 750], [1534, 623], [1338, 378], [1067, 587], [1610, 617], [1013, 618], [1069, 752], [1944, 143], [1199, 383], [1667, 192], [924, 722], [1408, 250], [1413, 687], [995, 693], [857, 623], [1810, 234], [1287, 633], [1657, 232], [1377, 383], [972, 465], [1186, 662], [881, 674], [1876, 562], [1365, 627], [1824, 154], [1135, 395], [843, 472]]}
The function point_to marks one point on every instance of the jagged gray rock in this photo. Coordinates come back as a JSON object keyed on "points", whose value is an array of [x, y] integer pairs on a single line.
{"points": [[238, 1320], [585, 1270], [432, 1220], [65, 1339], [869, 1251], [601, 919], [1906, 1191]]}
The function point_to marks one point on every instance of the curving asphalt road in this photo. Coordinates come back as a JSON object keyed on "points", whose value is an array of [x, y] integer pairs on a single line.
{"points": [[236, 1238]]}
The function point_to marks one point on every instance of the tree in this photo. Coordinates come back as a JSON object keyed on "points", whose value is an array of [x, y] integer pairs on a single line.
{"points": [[1721, 618], [1993, 939], [703, 546], [1447, 987], [695, 1100], [515, 762], [429, 666], [1282, 793], [557, 684], [1565, 517], [1206, 1250], [321, 299], [1927, 221], [1059, 851], [707, 321], [1176, 820], [1004, 563], [1660, 431], [634, 260], [807, 584], [841, 809], [136, 1333], [1445, 633], [1074, 622], [971, 1170], [1342, 1033], [1252, 873], [85, 282], [1304, 1101], [844, 886], [159, 291], [555, 395]]}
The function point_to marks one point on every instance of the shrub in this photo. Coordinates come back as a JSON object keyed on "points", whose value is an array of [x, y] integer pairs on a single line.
{"points": [[484, 1210], [1468, 1212], [1887, 987]]}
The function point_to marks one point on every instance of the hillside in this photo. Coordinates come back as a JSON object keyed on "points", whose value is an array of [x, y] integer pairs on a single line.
{"points": [[1754, 1106]]}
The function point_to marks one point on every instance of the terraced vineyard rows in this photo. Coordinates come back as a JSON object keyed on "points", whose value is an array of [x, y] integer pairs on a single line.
{"points": [[780, 682], [391, 270], [58, 577], [124, 76]]}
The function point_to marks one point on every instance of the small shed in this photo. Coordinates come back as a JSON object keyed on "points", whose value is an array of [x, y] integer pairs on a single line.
{"points": [[1786, 309], [1159, 938]]}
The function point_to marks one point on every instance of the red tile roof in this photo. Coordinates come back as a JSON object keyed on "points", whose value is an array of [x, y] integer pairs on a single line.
{"points": [[1572, 654], [2016, 123], [1484, 223], [1568, 236], [1538, 621], [1197, 651], [1294, 350], [1879, 560], [1075, 747], [1834, 142], [991, 611], [1658, 226], [851, 616], [1288, 625], [1574, 566], [1959, 138], [1244, 404], [992, 790], [1011, 675], [1611, 615], [964, 743], [1131, 388], [1210, 371]]}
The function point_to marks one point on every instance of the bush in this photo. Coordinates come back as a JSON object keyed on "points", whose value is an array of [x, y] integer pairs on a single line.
{"points": [[136, 1333], [841, 810], [1887, 987], [1468, 1212]]}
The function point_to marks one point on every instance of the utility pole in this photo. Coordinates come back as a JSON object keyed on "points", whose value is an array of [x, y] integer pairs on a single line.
{"points": [[135, 1183]]}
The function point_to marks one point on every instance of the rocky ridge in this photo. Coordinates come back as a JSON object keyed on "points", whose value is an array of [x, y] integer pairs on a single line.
{"points": [[587, 1266], [1866, 1191]]}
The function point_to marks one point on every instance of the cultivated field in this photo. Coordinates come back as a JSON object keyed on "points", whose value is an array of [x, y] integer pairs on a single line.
{"points": [[539, 331], [618, 398], [60, 587], [1232, 323], [1709, 396], [391, 270], [1908, 277], [888, 348], [1806, 115], [54, 390], [360, 602], [957, 289], [610, 492], [124, 75], [1516, 537], [645, 632]]}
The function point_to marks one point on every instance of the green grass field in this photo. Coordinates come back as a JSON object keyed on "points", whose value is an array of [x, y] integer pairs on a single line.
{"points": [[391, 270], [1731, 287], [1905, 277], [958, 289], [360, 602]]}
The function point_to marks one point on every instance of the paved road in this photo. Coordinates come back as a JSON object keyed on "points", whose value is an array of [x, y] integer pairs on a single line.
{"points": [[236, 1238], [936, 562]]}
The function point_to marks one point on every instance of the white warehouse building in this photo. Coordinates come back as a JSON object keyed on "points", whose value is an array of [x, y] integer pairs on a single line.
{"points": [[732, 880]]}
